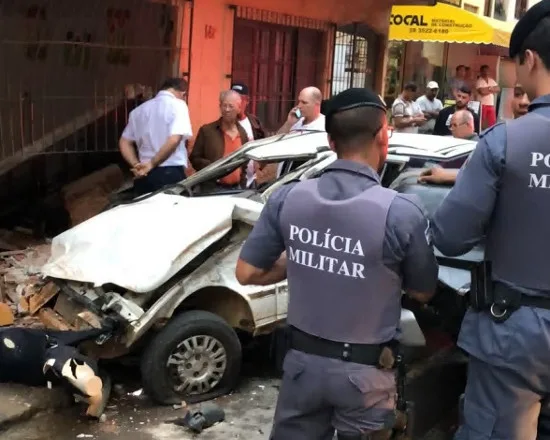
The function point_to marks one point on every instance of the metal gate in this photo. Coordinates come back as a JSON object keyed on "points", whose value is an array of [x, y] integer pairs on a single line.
{"points": [[276, 55], [355, 55], [72, 70]]}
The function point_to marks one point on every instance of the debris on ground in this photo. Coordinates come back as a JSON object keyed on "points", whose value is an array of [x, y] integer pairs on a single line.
{"points": [[6, 315], [22, 287], [182, 405], [197, 421], [136, 393]]}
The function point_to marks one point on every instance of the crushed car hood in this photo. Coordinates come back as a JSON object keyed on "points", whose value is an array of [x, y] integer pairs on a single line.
{"points": [[142, 245]]}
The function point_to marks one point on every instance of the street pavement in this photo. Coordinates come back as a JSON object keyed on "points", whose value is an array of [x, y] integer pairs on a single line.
{"points": [[249, 412], [19, 403], [130, 415]]}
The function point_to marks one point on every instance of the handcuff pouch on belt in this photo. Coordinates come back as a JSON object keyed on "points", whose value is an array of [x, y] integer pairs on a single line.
{"points": [[481, 289], [499, 301], [505, 302]]}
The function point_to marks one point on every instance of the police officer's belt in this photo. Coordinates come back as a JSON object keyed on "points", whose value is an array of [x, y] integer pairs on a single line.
{"points": [[535, 301], [381, 355], [500, 300], [506, 300]]}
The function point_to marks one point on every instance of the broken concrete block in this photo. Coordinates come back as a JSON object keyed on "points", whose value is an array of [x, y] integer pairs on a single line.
{"points": [[23, 306], [38, 300], [86, 320], [15, 293], [68, 309], [6, 315], [52, 320], [16, 276], [89, 195], [88, 206]]}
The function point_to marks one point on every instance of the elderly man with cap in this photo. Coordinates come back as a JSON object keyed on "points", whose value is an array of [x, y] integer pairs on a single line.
{"points": [[347, 254], [501, 198], [430, 106], [250, 122]]}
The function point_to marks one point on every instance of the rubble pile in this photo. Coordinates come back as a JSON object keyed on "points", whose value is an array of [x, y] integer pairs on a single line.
{"points": [[23, 291]]}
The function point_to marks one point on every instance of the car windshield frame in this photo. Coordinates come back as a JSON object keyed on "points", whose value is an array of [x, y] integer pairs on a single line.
{"points": [[231, 162]]}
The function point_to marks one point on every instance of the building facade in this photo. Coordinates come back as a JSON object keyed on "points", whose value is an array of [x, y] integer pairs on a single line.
{"points": [[67, 64], [72, 70]]}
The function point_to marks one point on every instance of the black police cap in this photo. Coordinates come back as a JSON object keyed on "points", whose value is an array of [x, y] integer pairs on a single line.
{"points": [[350, 99], [526, 24]]}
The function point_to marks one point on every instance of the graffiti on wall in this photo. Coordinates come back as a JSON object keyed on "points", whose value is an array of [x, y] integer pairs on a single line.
{"points": [[77, 54], [118, 21], [209, 32], [37, 32]]}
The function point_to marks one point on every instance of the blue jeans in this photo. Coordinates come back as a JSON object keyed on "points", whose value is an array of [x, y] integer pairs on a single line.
{"points": [[157, 178]]}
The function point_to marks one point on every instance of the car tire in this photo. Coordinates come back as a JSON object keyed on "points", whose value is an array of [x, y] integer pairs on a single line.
{"points": [[158, 382]]}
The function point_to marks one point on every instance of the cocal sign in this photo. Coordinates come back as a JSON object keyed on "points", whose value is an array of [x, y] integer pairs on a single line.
{"points": [[408, 20]]}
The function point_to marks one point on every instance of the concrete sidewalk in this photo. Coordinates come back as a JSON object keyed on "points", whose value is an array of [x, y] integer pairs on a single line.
{"points": [[19, 403]]}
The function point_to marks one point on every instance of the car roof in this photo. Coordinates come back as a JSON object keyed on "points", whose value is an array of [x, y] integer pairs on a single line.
{"points": [[309, 144], [428, 145], [303, 142], [427, 142], [289, 145]]}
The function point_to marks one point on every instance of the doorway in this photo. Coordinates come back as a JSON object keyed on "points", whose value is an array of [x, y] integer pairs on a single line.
{"points": [[276, 62]]}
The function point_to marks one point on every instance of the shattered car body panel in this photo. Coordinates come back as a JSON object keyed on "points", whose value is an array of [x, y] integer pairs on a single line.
{"points": [[140, 256], [265, 304], [181, 253]]}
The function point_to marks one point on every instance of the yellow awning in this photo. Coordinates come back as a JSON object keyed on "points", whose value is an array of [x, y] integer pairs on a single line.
{"points": [[446, 23]]}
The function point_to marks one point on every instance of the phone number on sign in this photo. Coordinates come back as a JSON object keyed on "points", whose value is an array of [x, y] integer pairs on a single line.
{"points": [[428, 31]]}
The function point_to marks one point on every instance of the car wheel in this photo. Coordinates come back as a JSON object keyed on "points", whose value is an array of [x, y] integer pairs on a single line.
{"points": [[195, 357]]}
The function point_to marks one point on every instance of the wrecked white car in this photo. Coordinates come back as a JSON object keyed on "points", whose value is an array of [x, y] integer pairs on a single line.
{"points": [[162, 267]]}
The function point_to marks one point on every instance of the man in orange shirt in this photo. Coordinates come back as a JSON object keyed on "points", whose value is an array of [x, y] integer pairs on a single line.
{"points": [[220, 139]]}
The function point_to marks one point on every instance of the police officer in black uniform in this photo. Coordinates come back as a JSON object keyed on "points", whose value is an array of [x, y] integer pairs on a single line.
{"points": [[348, 247], [502, 197]]}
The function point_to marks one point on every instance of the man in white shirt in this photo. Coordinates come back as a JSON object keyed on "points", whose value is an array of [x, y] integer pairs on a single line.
{"points": [[487, 88], [307, 114], [159, 129], [252, 125], [430, 106], [407, 115]]}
